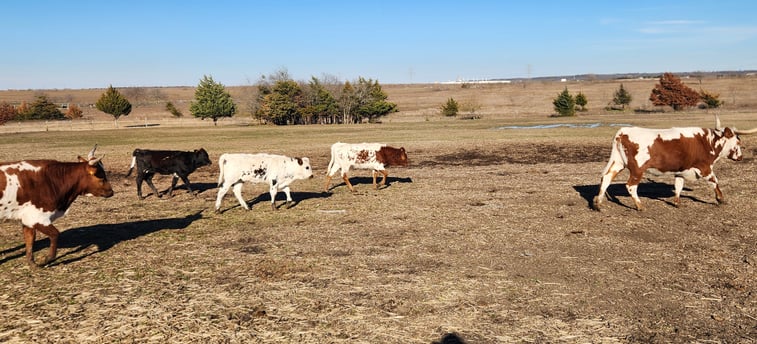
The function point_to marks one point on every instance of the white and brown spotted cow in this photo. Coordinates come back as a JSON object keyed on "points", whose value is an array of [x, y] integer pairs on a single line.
{"points": [[687, 153], [374, 156], [37, 192], [277, 170]]}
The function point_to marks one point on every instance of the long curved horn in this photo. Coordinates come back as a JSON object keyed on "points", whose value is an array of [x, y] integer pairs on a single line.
{"points": [[92, 153], [745, 132], [717, 122], [94, 161]]}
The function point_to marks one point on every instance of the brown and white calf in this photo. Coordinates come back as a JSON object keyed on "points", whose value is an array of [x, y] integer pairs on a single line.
{"points": [[38, 192], [687, 153], [277, 170], [374, 156]]}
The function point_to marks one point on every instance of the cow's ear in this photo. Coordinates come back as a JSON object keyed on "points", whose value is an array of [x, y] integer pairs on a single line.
{"points": [[82, 159], [402, 149]]}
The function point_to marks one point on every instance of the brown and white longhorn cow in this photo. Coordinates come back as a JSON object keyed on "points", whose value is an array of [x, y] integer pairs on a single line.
{"points": [[38, 192], [374, 156], [687, 153]]}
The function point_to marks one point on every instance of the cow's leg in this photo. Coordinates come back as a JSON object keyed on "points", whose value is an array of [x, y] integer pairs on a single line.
{"points": [[174, 181], [330, 173], [30, 234], [678, 187], [51, 233], [222, 190], [347, 181], [327, 184], [185, 179], [238, 194], [288, 193], [611, 172], [384, 174], [273, 189], [140, 178], [718, 194], [148, 180], [632, 186]]}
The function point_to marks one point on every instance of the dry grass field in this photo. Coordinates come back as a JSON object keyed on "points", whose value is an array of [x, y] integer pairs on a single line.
{"points": [[487, 234]]}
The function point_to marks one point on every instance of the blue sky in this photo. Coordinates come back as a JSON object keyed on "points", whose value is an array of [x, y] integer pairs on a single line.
{"points": [[93, 44]]}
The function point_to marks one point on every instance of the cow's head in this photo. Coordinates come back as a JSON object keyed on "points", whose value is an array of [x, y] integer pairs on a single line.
{"points": [[201, 158], [730, 140], [304, 171], [95, 182], [403, 157]]}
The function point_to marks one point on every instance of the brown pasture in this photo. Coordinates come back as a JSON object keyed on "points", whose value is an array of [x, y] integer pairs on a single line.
{"points": [[487, 234]]}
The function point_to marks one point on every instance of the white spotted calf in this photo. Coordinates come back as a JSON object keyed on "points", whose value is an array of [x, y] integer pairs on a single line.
{"points": [[277, 170]]}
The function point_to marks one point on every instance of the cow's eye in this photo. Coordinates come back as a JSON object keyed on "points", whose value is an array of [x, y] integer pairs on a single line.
{"points": [[307, 168]]}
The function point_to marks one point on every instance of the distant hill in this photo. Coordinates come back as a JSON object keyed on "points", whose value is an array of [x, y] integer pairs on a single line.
{"points": [[621, 76]]}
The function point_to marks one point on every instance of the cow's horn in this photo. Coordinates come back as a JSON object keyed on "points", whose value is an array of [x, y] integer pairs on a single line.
{"points": [[745, 132], [717, 122], [92, 152], [94, 161]]}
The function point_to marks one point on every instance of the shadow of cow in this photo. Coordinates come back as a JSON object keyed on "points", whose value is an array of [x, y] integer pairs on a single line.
{"points": [[103, 236]]}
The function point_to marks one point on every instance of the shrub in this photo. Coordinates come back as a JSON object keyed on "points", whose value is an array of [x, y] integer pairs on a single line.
{"points": [[74, 112], [7, 112], [173, 110], [711, 100], [450, 108]]}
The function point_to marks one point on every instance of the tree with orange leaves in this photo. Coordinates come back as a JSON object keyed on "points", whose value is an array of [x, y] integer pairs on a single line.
{"points": [[672, 92]]}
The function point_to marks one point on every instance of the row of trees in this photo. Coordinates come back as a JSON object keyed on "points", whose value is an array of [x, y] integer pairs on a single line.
{"points": [[281, 100], [670, 91], [278, 100], [41, 108]]}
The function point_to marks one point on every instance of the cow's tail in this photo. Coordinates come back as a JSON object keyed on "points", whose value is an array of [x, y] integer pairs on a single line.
{"points": [[221, 164], [133, 163], [617, 155], [333, 158]]}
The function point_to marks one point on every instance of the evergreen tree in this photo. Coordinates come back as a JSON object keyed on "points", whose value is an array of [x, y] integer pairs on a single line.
{"points": [[42, 108], [212, 101], [282, 104], [564, 104], [113, 103], [372, 102], [672, 92], [622, 97], [450, 108], [581, 101], [320, 106]]}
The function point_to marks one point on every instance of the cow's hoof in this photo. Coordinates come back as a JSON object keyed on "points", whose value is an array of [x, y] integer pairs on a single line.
{"points": [[595, 204], [45, 261]]}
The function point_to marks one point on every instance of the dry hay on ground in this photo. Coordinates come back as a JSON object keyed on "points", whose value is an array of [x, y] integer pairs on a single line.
{"points": [[496, 244]]}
